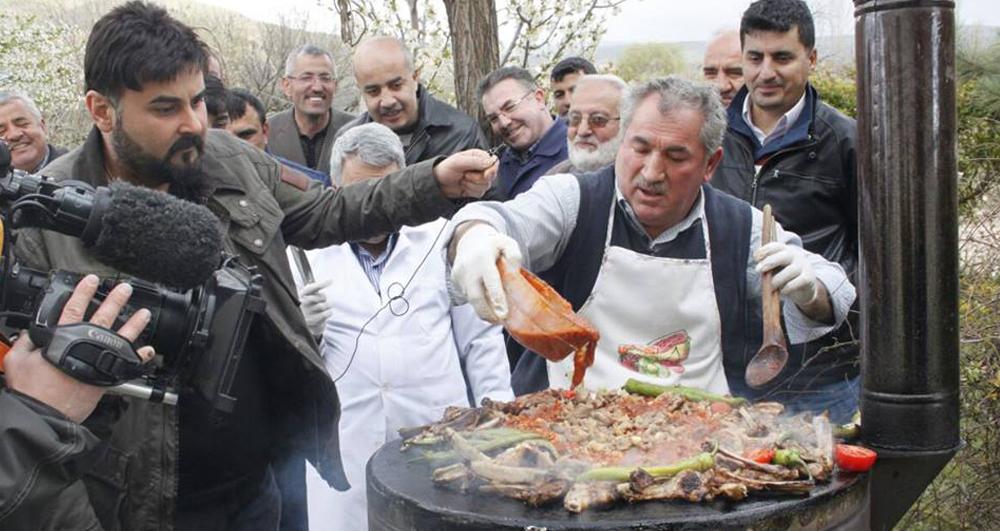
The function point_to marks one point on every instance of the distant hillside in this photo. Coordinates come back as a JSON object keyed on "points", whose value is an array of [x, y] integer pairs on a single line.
{"points": [[837, 51]]}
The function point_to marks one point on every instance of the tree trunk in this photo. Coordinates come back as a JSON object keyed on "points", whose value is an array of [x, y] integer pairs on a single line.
{"points": [[346, 23], [475, 50]]}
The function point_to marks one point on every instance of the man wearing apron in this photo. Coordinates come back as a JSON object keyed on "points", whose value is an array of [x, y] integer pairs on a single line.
{"points": [[650, 254]]}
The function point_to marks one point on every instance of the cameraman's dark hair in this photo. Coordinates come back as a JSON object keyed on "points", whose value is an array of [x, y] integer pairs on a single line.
{"points": [[237, 103], [215, 95], [522, 76], [779, 16], [572, 65], [138, 43]]}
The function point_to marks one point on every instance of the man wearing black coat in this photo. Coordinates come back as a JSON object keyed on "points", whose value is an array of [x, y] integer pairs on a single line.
{"points": [[395, 98], [786, 148]]}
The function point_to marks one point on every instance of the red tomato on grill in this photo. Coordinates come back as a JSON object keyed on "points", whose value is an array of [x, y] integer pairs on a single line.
{"points": [[762, 455], [854, 458]]}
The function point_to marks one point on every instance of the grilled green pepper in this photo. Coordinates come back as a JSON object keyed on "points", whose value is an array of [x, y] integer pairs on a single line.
{"points": [[700, 463], [697, 395]]}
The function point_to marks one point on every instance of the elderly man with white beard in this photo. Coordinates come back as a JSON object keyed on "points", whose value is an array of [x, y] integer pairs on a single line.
{"points": [[593, 134]]}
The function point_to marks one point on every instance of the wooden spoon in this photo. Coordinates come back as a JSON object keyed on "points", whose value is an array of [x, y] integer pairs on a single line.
{"points": [[769, 361]]}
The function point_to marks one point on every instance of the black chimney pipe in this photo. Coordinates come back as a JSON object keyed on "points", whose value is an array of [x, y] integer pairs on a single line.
{"points": [[908, 219]]}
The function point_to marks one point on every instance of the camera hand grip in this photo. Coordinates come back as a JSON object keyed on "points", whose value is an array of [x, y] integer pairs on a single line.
{"points": [[90, 353]]}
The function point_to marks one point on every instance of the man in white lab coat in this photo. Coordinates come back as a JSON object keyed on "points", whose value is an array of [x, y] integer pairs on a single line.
{"points": [[399, 352]]}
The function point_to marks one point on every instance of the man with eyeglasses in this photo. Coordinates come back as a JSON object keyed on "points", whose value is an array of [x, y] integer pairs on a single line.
{"points": [[305, 133], [592, 138], [248, 121], [516, 111]]}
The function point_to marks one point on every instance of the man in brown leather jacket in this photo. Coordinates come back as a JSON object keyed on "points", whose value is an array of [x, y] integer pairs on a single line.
{"points": [[160, 467]]}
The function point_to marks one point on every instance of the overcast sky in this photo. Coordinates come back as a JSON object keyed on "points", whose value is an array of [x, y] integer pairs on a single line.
{"points": [[641, 20]]}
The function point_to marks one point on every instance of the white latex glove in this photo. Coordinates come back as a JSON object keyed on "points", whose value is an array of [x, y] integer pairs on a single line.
{"points": [[314, 306], [795, 279], [474, 272]]}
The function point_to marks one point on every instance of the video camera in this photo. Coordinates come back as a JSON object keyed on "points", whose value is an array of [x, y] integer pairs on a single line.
{"points": [[198, 333]]}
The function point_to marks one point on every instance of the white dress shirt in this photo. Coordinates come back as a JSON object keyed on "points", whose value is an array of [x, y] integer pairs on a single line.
{"points": [[785, 123]]}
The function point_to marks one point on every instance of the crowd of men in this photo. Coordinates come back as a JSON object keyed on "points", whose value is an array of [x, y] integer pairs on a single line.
{"points": [[638, 203]]}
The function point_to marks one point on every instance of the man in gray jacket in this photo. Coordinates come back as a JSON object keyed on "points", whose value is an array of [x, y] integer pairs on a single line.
{"points": [[305, 133], [390, 86], [160, 467]]}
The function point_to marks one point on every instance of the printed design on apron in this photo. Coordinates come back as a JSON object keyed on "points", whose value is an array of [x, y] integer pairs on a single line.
{"points": [[659, 357]]}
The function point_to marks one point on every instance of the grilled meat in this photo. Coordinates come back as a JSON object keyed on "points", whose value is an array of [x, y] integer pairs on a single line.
{"points": [[790, 487], [585, 495], [489, 471], [534, 494], [688, 485], [537, 453], [455, 477], [539, 447]]}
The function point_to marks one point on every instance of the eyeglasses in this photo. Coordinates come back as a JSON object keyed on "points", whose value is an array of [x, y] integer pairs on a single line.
{"points": [[307, 79], [595, 121], [508, 108]]}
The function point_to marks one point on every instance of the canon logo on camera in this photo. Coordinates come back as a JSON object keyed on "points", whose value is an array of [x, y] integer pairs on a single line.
{"points": [[106, 339]]}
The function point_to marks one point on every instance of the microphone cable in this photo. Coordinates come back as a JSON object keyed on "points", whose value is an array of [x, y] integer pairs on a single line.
{"points": [[401, 296], [399, 310]]}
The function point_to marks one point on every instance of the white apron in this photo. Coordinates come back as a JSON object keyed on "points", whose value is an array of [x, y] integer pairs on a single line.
{"points": [[645, 300]]}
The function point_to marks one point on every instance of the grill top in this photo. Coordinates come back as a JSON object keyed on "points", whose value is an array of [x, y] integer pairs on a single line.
{"points": [[402, 496]]}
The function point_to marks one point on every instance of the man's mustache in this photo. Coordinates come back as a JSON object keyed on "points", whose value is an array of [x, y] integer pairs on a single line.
{"points": [[658, 187], [186, 142], [391, 109], [505, 131]]}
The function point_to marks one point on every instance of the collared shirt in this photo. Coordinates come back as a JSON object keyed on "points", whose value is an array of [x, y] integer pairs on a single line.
{"points": [[519, 171], [44, 161], [542, 222], [784, 123], [311, 147], [371, 264], [697, 211]]}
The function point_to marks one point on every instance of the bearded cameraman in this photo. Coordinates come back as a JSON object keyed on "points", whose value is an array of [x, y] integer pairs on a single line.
{"points": [[186, 467], [44, 440]]}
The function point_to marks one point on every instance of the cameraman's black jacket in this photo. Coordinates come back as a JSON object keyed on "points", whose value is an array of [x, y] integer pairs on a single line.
{"points": [[809, 179], [131, 477], [40, 450]]}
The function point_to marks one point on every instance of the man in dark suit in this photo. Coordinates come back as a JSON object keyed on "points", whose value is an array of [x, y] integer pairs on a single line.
{"points": [[305, 133], [248, 121]]}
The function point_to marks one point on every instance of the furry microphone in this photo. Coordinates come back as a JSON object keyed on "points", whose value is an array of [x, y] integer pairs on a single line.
{"points": [[141, 232], [154, 236]]}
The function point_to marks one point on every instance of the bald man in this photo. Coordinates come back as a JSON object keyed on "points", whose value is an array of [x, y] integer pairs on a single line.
{"points": [[395, 98], [723, 64]]}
